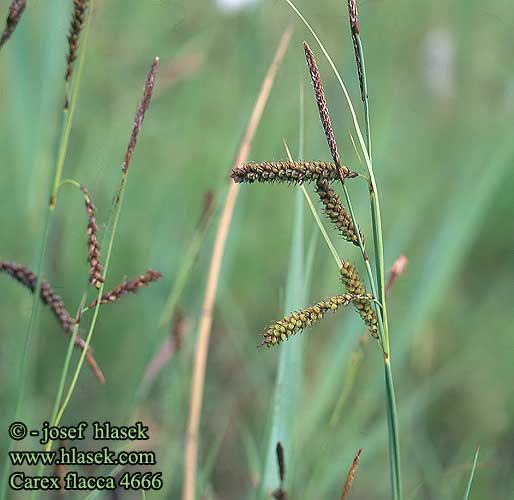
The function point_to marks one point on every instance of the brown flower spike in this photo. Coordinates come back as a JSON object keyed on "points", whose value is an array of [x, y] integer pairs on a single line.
{"points": [[131, 286], [321, 101], [16, 10], [285, 171], [48, 296], [353, 15], [78, 18], [93, 247], [350, 476], [140, 114], [336, 212]]}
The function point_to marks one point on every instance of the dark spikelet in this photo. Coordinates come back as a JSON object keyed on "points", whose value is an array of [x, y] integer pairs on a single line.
{"points": [[350, 476], [131, 286], [361, 299], [353, 15], [93, 246], [78, 17], [335, 211], [16, 9], [140, 114], [321, 100], [281, 462], [28, 279], [279, 493], [296, 322], [296, 172], [48, 296]]}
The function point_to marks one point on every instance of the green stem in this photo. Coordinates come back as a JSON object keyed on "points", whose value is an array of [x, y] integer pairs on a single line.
{"points": [[394, 434], [392, 416]]}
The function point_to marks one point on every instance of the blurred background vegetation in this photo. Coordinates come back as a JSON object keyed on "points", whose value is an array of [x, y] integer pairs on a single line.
{"points": [[441, 83]]}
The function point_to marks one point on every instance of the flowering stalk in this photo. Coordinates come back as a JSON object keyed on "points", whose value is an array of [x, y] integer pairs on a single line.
{"points": [[131, 286]]}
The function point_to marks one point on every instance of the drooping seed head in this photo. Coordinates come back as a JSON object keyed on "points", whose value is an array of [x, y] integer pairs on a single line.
{"points": [[361, 299], [93, 246], [296, 172], [51, 299], [131, 286], [297, 321], [337, 213]]}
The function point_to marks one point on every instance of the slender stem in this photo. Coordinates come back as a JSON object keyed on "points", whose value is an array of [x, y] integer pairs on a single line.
{"points": [[394, 433], [392, 416]]}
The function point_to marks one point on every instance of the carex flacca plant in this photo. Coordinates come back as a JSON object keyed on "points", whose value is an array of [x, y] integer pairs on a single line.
{"points": [[99, 247], [367, 299]]}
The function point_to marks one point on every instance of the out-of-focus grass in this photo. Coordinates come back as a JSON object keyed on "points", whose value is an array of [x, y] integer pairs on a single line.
{"points": [[442, 158]]}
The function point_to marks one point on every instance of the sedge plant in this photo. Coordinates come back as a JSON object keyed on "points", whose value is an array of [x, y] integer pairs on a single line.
{"points": [[370, 304]]}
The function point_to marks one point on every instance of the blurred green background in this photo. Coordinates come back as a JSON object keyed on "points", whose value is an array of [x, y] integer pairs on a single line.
{"points": [[441, 83]]}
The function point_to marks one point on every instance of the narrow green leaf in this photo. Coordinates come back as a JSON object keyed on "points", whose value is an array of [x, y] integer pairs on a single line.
{"points": [[471, 474]]}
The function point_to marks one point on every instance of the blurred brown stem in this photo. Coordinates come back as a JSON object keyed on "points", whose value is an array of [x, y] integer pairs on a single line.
{"points": [[202, 347]]}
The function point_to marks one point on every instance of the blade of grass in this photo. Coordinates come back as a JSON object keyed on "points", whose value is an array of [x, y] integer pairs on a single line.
{"points": [[471, 474], [289, 376], [197, 387]]}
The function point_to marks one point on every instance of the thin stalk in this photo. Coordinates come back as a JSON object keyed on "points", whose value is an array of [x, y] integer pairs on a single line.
{"points": [[61, 155], [62, 381], [394, 443], [394, 434]]}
